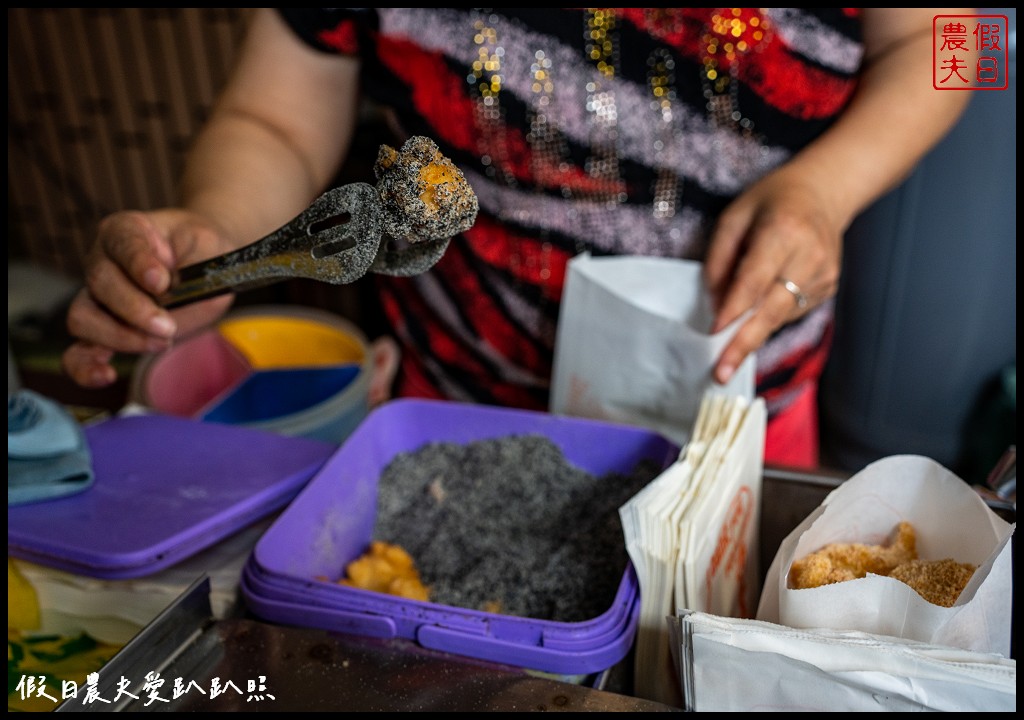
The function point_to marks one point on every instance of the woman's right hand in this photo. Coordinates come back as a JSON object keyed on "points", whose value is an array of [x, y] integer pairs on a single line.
{"points": [[130, 264], [277, 136]]}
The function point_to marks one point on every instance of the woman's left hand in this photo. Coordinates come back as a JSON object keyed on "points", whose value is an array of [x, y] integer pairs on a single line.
{"points": [[789, 226], [775, 251]]}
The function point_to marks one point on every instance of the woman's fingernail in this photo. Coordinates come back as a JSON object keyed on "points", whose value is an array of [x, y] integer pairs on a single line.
{"points": [[162, 326], [725, 372], [102, 376], [154, 279]]}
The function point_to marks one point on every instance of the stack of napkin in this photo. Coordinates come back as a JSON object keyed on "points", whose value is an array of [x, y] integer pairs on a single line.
{"points": [[692, 533]]}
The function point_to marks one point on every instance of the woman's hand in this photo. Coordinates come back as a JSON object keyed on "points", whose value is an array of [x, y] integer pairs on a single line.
{"points": [[276, 137], [789, 226], [775, 251], [131, 263]]}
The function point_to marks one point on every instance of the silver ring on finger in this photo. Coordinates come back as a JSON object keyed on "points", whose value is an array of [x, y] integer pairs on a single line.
{"points": [[795, 291]]}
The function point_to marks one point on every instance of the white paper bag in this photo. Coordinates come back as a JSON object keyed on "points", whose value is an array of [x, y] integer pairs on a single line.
{"points": [[634, 344], [950, 520], [734, 665]]}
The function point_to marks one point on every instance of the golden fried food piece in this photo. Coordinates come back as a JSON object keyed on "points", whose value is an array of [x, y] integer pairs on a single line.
{"points": [[940, 582], [838, 562], [426, 197], [387, 569]]}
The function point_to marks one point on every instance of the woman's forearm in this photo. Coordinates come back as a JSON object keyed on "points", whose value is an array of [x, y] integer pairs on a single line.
{"points": [[277, 136], [894, 119]]}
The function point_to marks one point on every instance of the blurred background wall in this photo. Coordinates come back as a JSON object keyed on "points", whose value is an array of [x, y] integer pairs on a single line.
{"points": [[101, 106]]}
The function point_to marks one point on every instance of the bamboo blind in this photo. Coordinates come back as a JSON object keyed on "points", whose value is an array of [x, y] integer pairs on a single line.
{"points": [[101, 105]]}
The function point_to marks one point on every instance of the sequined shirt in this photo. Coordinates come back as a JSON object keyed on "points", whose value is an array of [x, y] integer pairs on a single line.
{"points": [[612, 131]]}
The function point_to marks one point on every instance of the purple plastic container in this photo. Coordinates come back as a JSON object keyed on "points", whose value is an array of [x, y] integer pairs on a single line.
{"points": [[165, 488], [331, 523]]}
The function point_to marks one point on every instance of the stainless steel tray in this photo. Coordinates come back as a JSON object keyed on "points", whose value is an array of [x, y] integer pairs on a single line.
{"points": [[269, 668]]}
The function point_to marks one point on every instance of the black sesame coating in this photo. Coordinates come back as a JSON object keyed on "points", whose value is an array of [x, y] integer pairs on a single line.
{"points": [[401, 187]]}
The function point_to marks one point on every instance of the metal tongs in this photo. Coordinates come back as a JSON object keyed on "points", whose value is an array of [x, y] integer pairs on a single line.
{"points": [[337, 239]]}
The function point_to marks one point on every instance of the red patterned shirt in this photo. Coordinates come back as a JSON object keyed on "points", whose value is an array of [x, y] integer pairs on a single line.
{"points": [[603, 130]]}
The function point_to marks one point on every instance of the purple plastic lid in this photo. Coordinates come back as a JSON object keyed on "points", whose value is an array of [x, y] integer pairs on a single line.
{"points": [[166, 488]]}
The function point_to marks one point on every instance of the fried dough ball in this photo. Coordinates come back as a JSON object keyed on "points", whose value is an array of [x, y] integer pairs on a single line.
{"points": [[386, 568], [426, 197], [940, 582], [838, 562]]}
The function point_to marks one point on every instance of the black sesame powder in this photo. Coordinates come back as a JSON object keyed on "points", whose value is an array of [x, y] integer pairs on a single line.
{"points": [[509, 525]]}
